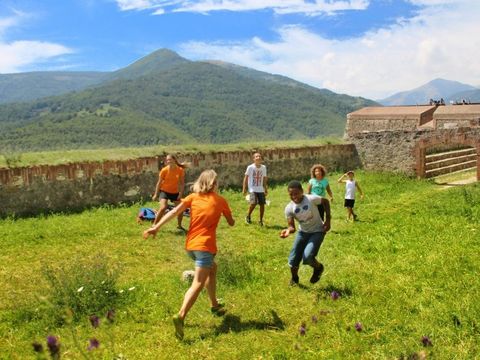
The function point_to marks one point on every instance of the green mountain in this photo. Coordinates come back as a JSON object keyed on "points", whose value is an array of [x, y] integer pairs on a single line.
{"points": [[165, 99], [34, 85]]}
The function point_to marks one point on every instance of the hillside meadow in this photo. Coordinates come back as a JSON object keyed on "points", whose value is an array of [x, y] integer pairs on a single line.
{"points": [[405, 278]]}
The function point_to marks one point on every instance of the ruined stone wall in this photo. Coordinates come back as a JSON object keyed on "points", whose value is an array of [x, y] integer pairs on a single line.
{"points": [[72, 187]]}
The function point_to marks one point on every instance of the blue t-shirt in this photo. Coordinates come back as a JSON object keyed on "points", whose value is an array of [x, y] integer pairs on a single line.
{"points": [[319, 187]]}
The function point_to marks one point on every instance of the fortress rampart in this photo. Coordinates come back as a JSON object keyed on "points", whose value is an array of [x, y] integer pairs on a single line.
{"points": [[72, 187]]}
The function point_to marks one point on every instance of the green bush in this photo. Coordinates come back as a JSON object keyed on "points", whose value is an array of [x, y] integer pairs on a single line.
{"points": [[83, 287]]}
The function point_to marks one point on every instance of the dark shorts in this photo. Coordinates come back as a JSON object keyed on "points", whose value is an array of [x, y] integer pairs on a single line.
{"points": [[257, 198], [168, 196], [349, 203]]}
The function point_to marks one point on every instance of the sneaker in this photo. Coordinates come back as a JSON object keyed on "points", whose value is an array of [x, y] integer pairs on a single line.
{"points": [[355, 217], [181, 228], [294, 280], [178, 323], [248, 220], [317, 272], [218, 310]]}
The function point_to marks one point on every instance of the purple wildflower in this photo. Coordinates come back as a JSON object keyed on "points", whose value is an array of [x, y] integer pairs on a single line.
{"points": [[110, 315], [93, 344], [426, 341], [334, 295], [38, 348], [314, 319], [53, 346], [358, 326], [302, 329], [95, 321]]}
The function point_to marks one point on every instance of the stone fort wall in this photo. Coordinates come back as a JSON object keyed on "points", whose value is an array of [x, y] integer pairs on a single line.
{"points": [[72, 187]]}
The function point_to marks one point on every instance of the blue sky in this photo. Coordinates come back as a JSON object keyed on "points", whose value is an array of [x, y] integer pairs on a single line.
{"points": [[371, 48]]}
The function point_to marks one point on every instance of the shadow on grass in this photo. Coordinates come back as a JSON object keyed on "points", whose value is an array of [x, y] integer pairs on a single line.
{"points": [[274, 227], [233, 323], [341, 291]]}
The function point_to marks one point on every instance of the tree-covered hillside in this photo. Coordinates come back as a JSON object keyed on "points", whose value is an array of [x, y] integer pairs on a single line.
{"points": [[34, 85], [183, 102]]}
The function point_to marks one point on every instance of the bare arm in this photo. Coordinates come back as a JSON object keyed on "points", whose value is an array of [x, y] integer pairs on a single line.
{"points": [[359, 189], [309, 188], [230, 219], [341, 178], [328, 215], [157, 187], [329, 192], [166, 218], [245, 182], [181, 186], [265, 185], [291, 228]]}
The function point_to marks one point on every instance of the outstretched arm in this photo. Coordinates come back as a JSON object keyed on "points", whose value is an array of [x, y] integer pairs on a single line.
{"points": [[166, 218], [342, 178], [290, 230]]}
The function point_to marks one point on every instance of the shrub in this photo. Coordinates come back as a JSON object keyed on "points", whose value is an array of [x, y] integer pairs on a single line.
{"points": [[83, 287]]}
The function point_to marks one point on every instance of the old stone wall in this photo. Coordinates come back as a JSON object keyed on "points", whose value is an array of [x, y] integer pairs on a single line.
{"points": [[404, 151], [368, 124], [72, 187]]}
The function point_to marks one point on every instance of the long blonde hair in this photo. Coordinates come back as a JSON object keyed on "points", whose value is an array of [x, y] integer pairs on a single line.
{"points": [[206, 182]]}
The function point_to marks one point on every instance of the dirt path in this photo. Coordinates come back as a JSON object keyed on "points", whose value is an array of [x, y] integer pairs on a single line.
{"points": [[450, 184]]}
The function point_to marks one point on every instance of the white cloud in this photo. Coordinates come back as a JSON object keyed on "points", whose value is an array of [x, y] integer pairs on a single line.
{"points": [[18, 54], [440, 41], [311, 8]]}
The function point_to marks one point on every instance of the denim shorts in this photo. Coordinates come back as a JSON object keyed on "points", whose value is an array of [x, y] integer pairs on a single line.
{"points": [[306, 247], [203, 259]]}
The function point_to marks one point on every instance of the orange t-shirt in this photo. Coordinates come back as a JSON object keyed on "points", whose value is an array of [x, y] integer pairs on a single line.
{"points": [[170, 179], [205, 213]]}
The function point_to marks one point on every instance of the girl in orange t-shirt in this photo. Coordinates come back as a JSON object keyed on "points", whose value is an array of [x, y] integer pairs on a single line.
{"points": [[170, 185], [206, 208]]}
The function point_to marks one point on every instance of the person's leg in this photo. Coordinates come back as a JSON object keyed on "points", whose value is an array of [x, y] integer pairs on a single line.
{"points": [[199, 281], [262, 211], [310, 253], [295, 256], [211, 285], [161, 210], [180, 216]]}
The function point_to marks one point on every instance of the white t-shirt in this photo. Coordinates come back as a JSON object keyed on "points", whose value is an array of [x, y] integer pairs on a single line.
{"points": [[350, 189], [306, 213], [255, 178]]}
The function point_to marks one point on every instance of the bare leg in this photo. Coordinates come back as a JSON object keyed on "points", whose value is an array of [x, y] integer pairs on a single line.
{"points": [[211, 285], [161, 210], [180, 216], [262, 211], [250, 209], [199, 281]]}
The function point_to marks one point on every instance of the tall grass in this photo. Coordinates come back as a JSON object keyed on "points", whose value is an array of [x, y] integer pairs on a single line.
{"points": [[407, 270]]}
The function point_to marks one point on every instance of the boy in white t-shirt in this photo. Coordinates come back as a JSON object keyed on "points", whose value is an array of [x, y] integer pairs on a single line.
{"points": [[351, 185], [255, 181]]}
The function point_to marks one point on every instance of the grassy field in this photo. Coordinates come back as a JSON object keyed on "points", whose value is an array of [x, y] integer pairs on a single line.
{"points": [[407, 269], [65, 157]]}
